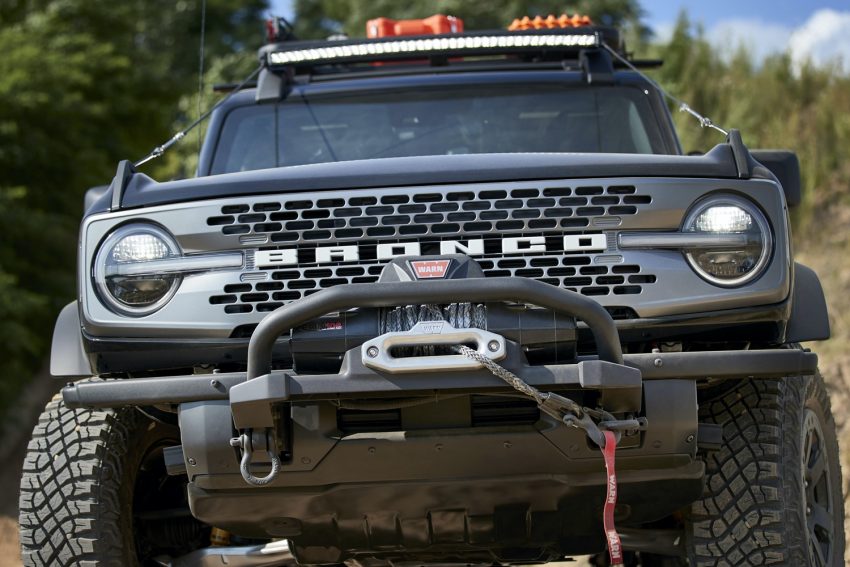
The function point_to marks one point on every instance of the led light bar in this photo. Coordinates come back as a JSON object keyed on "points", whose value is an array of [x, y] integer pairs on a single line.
{"points": [[448, 46]]}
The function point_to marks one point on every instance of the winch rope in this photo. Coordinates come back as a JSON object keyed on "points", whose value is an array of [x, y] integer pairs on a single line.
{"points": [[512, 379], [573, 414], [458, 315]]}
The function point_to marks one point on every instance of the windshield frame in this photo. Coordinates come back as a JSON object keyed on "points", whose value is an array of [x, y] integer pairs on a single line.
{"points": [[659, 109]]}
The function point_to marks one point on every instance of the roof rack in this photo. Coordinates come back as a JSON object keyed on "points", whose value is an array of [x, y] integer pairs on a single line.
{"points": [[393, 42]]}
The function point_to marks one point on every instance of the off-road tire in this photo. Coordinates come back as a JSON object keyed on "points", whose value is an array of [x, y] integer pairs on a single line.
{"points": [[753, 510], [77, 485]]}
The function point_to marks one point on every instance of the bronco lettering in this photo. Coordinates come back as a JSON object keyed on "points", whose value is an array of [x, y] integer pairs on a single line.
{"points": [[388, 251]]}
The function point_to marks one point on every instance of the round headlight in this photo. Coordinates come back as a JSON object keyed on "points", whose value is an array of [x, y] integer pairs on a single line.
{"points": [[743, 257], [128, 273]]}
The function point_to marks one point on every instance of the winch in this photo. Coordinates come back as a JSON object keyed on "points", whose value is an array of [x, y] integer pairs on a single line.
{"points": [[545, 336]]}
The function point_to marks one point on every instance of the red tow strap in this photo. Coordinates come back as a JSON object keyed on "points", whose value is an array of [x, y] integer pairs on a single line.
{"points": [[615, 548]]}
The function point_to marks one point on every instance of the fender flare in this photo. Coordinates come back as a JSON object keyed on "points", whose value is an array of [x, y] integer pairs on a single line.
{"points": [[68, 357], [809, 319]]}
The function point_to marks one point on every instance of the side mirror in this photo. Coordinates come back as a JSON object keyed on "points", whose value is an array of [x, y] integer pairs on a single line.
{"points": [[92, 195], [786, 167]]}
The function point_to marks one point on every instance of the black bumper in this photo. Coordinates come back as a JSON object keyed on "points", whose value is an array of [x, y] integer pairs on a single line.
{"points": [[608, 381], [768, 363], [440, 482], [465, 491]]}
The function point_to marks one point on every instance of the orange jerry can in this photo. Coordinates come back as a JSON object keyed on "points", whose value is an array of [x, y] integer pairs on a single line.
{"points": [[435, 25]]}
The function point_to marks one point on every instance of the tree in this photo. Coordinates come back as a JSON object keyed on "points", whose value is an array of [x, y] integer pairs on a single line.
{"points": [[319, 18], [84, 83]]}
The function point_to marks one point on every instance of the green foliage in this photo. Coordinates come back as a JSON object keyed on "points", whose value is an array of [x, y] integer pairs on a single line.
{"points": [[83, 84], [320, 18], [774, 105], [182, 159], [20, 342]]}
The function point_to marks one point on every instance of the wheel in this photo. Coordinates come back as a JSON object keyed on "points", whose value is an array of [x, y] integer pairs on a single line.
{"points": [[773, 491], [94, 491]]}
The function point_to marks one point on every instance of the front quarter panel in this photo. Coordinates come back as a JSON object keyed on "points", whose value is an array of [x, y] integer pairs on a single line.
{"points": [[68, 358]]}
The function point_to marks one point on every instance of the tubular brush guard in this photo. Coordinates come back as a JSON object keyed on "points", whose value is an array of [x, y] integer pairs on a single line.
{"points": [[251, 401]]}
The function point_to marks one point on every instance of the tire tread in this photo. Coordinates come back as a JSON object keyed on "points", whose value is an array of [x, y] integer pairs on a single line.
{"points": [[750, 512], [71, 492]]}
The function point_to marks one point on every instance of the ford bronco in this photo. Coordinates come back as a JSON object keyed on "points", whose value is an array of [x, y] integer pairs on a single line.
{"points": [[441, 297]]}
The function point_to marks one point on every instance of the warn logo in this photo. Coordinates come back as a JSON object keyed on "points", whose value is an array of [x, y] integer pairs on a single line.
{"points": [[426, 269]]}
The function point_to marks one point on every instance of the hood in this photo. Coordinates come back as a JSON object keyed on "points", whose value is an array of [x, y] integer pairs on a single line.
{"points": [[142, 191]]}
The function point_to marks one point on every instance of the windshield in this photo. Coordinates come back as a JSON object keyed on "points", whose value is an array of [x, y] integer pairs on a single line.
{"points": [[438, 121]]}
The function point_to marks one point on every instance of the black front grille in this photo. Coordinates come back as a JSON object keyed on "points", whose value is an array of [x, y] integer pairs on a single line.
{"points": [[300, 225], [573, 272], [468, 212]]}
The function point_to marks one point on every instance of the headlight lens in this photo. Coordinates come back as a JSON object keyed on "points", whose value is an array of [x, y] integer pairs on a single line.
{"points": [[731, 265], [723, 219], [125, 269]]}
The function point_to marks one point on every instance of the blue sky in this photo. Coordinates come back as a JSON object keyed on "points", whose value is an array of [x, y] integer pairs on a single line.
{"points": [[785, 12], [817, 30]]}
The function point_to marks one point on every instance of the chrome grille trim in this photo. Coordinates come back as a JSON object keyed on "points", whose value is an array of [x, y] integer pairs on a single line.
{"points": [[576, 272]]}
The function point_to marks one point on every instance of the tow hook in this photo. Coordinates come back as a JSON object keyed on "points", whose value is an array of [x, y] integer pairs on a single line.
{"points": [[627, 426], [245, 443]]}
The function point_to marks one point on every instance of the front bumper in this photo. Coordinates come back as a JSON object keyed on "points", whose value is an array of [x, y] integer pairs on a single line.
{"points": [[692, 366], [439, 483]]}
